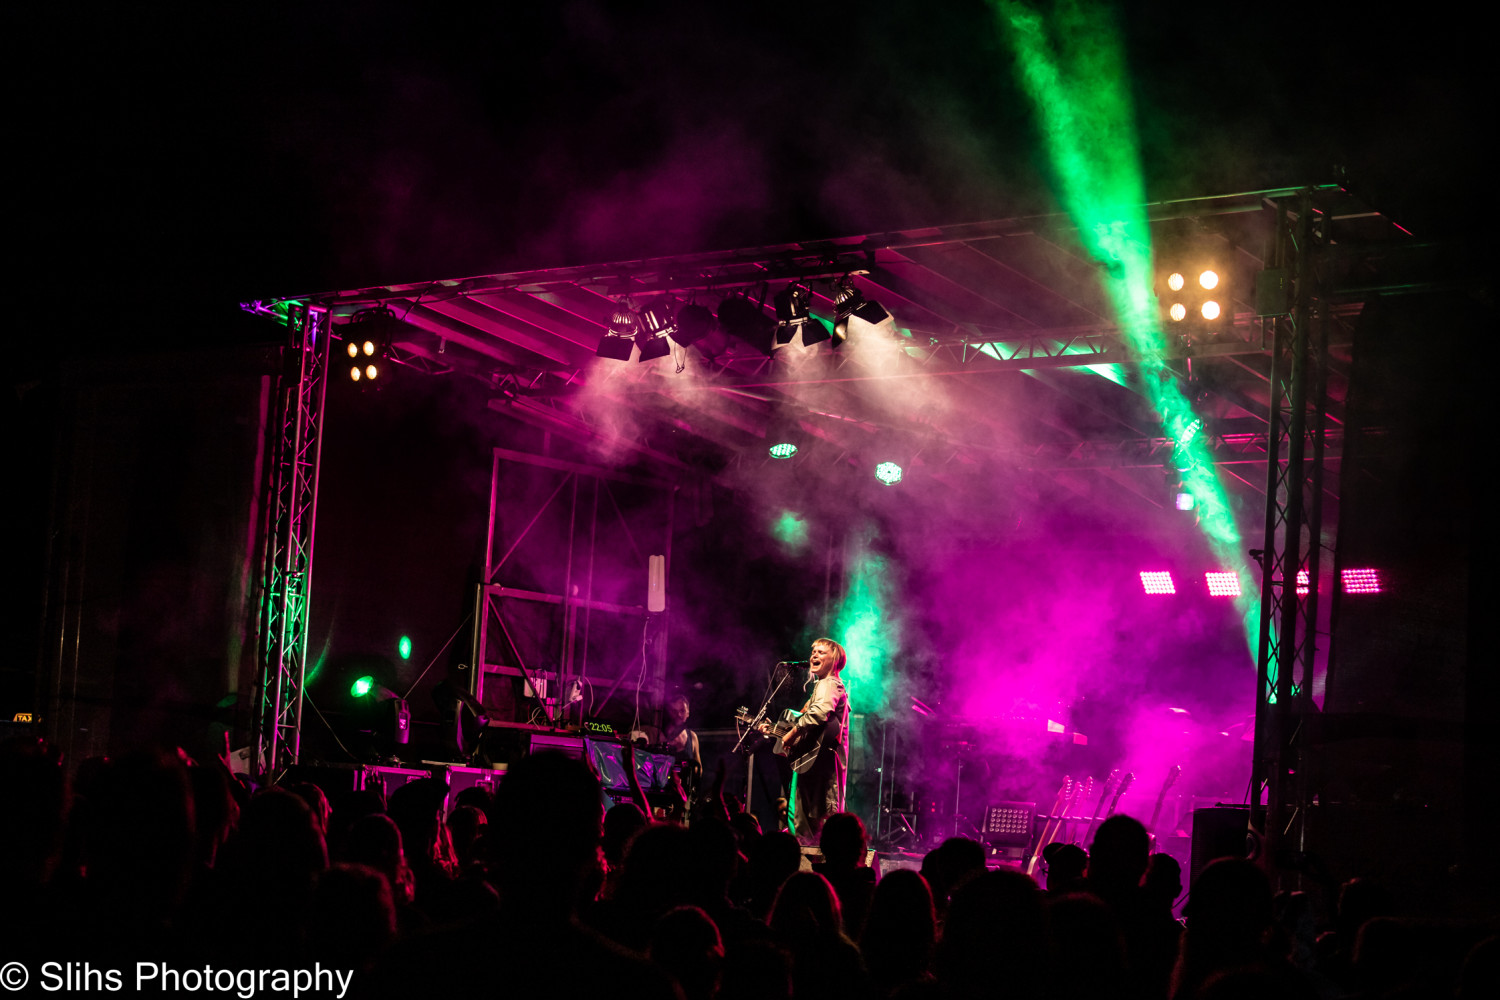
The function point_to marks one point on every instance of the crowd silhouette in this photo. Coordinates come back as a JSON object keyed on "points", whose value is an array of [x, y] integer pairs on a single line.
{"points": [[538, 890]]}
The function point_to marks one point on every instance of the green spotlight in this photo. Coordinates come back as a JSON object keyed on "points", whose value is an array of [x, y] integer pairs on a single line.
{"points": [[362, 687], [888, 473], [783, 449], [404, 647]]}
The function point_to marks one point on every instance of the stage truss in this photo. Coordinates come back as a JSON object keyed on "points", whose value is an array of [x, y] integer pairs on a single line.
{"points": [[292, 506]]}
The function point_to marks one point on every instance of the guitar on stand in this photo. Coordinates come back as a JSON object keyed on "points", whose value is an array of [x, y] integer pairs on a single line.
{"points": [[1082, 791], [1125, 783], [1173, 773], [1052, 823], [1088, 835]]}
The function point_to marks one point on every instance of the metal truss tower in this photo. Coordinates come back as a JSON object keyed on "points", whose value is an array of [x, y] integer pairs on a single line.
{"points": [[1296, 299], [292, 514]]}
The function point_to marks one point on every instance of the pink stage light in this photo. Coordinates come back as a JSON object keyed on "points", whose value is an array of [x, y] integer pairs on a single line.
{"points": [[1157, 582], [1361, 581], [1222, 583], [1303, 587]]}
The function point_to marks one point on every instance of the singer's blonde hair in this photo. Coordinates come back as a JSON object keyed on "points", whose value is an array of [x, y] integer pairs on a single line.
{"points": [[843, 656]]}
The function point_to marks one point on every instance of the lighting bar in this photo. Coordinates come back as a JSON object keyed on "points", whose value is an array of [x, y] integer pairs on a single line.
{"points": [[1304, 587], [1157, 582], [1361, 581], [1222, 583]]}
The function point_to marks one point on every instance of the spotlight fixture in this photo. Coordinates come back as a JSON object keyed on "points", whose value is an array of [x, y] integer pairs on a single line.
{"points": [[889, 473], [619, 335], [1361, 581], [743, 319], [792, 312], [1195, 298], [400, 716], [783, 449], [368, 336], [656, 324], [694, 322], [850, 304], [1185, 501]]}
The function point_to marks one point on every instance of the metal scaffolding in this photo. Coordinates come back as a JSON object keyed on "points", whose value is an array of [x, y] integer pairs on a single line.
{"points": [[1291, 558], [292, 516], [539, 633]]}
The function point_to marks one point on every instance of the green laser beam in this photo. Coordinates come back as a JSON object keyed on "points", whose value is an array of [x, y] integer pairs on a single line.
{"points": [[1072, 66]]}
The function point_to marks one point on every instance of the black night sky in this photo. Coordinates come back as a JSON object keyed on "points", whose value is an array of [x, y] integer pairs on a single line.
{"points": [[174, 160]]}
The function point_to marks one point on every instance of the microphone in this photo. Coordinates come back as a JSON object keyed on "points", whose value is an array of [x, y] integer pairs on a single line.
{"points": [[795, 663]]}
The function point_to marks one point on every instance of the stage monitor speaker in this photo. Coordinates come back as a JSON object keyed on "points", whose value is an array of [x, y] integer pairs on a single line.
{"points": [[462, 778], [890, 862], [386, 780], [1218, 832]]}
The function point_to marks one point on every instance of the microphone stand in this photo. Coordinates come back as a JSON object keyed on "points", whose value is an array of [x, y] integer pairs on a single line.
{"points": [[760, 716], [739, 744]]}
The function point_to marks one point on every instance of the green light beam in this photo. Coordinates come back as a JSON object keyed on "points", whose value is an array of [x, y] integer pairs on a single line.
{"points": [[1073, 69]]}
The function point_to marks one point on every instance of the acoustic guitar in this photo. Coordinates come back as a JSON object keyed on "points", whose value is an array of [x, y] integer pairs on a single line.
{"points": [[803, 750]]}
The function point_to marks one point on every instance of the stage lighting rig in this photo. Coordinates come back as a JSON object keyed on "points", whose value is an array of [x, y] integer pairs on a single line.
{"points": [[1195, 298], [368, 336], [619, 334], [366, 690]]}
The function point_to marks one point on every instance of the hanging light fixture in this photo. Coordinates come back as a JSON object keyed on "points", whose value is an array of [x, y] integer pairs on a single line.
{"points": [[619, 334], [792, 312], [743, 319], [656, 324], [850, 304]]}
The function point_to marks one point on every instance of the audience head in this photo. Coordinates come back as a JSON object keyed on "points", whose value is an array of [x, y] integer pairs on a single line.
{"points": [[316, 801], [1119, 853], [353, 917], [900, 929], [842, 840], [1163, 879], [686, 943], [806, 910], [34, 786], [948, 864], [994, 932], [621, 823], [545, 837], [1066, 864]]}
